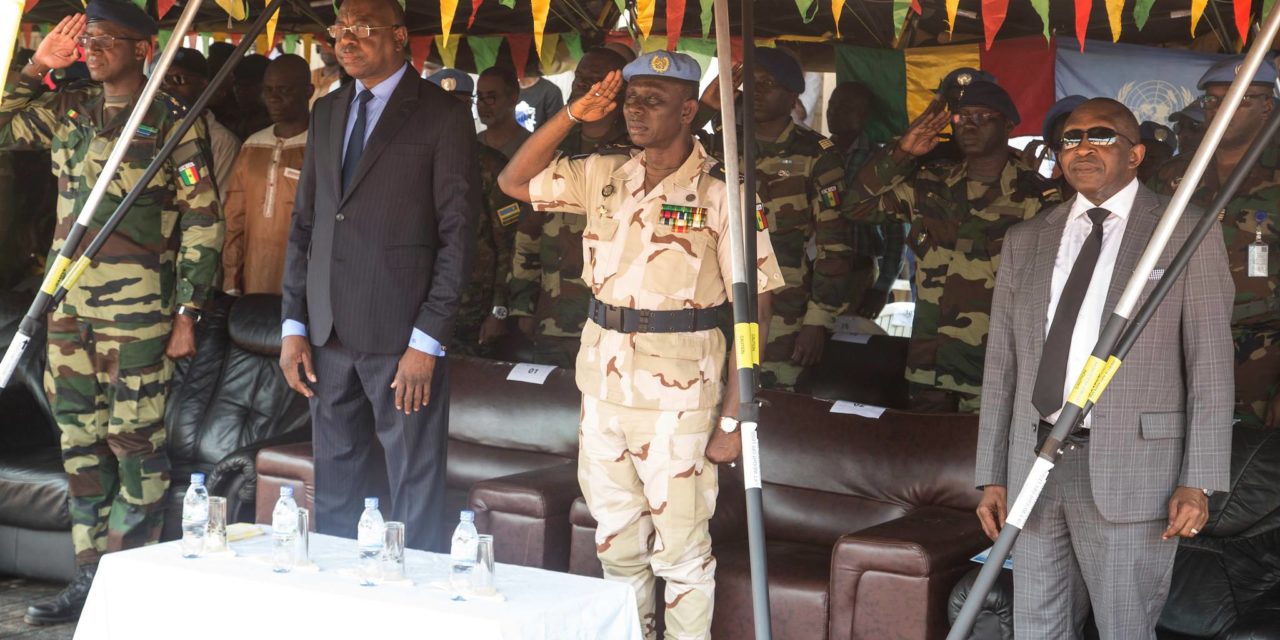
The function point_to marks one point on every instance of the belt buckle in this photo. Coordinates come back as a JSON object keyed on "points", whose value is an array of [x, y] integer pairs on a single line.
{"points": [[613, 317]]}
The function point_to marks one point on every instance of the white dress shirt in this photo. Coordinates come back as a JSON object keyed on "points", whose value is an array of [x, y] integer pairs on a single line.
{"points": [[1089, 321]]}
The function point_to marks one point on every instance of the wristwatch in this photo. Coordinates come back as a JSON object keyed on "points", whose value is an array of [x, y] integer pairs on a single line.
{"points": [[1208, 493], [500, 312], [728, 425], [191, 312]]}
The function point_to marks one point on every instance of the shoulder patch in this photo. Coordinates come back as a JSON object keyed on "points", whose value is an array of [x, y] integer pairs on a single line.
{"points": [[176, 108], [509, 214], [826, 143], [717, 171]]}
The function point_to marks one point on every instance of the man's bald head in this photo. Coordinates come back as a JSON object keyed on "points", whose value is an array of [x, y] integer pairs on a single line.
{"points": [[387, 9], [1119, 116], [286, 89], [1108, 154], [289, 68]]}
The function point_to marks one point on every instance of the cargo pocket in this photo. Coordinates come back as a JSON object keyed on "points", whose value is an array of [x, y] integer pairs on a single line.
{"points": [[588, 372], [597, 241], [668, 371]]}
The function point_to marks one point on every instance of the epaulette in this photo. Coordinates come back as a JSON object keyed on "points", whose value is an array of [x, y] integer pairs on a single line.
{"points": [[610, 150], [826, 143], [717, 171], [176, 107]]}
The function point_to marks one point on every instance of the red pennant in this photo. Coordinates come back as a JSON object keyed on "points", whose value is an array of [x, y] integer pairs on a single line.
{"points": [[915, 6], [163, 6], [735, 46], [520, 43], [475, 8], [235, 38], [26, 35], [993, 13], [419, 49], [30, 5], [1242, 18], [675, 23], [1083, 9]]}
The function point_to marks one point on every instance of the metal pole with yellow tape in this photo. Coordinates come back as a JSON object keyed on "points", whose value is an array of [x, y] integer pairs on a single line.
{"points": [[746, 331], [1123, 327]]}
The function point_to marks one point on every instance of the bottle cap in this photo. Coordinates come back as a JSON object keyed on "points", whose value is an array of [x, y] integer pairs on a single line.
{"points": [[468, 516], [197, 478], [286, 491], [371, 503]]}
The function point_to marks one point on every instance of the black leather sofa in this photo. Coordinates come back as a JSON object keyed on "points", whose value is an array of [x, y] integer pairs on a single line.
{"points": [[224, 404], [1226, 581]]}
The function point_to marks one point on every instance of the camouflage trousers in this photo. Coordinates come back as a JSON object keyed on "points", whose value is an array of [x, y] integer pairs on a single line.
{"points": [[1257, 351], [652, 491], [106, 382]]}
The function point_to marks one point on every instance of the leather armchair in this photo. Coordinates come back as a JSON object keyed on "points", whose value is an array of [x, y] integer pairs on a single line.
{"points": [[877, 380]]}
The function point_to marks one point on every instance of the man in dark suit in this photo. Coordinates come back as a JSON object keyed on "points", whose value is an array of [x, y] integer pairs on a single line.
{"points": [[377, 261], [1138, 475]]}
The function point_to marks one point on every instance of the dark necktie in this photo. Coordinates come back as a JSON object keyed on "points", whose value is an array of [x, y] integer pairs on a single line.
{"points": [[355, 145], [1051, 377]]}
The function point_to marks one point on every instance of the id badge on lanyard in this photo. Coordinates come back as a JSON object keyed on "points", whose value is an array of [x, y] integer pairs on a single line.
{"points": [[1258, 250]]}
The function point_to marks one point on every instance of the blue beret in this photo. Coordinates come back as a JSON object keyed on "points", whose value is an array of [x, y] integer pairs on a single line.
{"points": [[981, 93], [784, 68], [453, 81], [1224, 72], [1155, 132], [122, 13], [1060, 109], [663, 64], [1193, 112], [964, 76]]}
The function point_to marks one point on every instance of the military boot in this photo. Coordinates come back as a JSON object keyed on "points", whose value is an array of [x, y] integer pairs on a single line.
{"points": [[66, 606]]}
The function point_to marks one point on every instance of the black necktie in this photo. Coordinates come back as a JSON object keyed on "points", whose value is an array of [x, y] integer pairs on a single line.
{"points": [[355, 145], [1051, 377]]}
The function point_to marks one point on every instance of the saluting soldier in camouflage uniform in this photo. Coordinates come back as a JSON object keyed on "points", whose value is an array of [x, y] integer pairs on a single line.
{"points": [[112, 341], [482, 313], [959, 213], [652, 363], [800, 183], [1249, 228], [546, 292]]}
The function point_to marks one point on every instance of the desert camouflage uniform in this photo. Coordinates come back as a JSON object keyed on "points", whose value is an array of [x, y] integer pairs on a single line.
{"points": [[1255, 319], [650, 400], [957, 229], [107, 373], [546, 272], [491, 266], [800, 182]]}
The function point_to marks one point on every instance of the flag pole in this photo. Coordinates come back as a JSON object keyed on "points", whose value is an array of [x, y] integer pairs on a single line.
{"points": [[1123, 326]]}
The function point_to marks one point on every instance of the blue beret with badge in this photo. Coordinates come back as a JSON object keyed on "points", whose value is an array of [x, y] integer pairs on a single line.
{"points": [[121, 13], [783, 67], [982, 93], [453, 81], [1224, 72], [668, 65]]}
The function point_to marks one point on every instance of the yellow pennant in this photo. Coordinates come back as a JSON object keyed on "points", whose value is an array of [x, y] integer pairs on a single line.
{"points": [[837, 7], [1197, 10], [307, 43], [234, 8], [952, 7], [547, 56], [447, 10], [1114, 9], [448, 48], [540, 9], [271, 28], [644, 15]]}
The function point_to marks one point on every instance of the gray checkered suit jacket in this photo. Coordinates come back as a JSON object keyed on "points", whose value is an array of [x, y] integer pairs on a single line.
{"points": [[1165, 419]]}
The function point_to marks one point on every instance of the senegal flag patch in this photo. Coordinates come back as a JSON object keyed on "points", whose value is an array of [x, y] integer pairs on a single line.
{"points": [[830, 196], [509, 214], [189, 174], [72, 114], [761, 222]]}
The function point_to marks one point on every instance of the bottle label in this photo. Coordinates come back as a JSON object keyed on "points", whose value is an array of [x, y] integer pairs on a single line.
{"points": [[1258, 260], [193, 515], [370, 537], [464, 551]]}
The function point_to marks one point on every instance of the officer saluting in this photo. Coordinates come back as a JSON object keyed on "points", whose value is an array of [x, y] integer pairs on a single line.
{"points": [[652, 363]]}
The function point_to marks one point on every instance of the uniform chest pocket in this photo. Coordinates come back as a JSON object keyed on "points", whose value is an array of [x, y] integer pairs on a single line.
{"points": [[141, 149], [674, 263]]}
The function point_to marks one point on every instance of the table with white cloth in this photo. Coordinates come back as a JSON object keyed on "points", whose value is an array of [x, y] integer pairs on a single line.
{"points": [[154, 592]]}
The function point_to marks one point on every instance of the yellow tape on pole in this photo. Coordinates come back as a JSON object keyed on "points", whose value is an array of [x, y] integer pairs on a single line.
{"points": [[74, 274], [1113, 364], [53, 275], [1085, 383], [10, 26], [745, 345]]}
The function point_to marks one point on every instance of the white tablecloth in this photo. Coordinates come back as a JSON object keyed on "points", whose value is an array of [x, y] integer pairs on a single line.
{"points": [[154, 592]]}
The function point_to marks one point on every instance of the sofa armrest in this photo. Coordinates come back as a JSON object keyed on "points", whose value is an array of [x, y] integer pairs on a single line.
{"points": [[893, 579], [528, 515], [236, 475], [1261, 621]]}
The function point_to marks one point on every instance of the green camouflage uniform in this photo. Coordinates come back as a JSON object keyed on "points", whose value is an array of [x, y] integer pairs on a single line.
{"points": [[800, 182], [957, 228], [492, 262], [107, 373], [546, 271], [1255, 319]]}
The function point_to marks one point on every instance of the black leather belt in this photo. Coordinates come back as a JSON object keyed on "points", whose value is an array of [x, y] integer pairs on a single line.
{"points": [[628, 320], [1078, 439]]}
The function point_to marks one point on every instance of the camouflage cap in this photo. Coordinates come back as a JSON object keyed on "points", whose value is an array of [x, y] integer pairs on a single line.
{"points": [[122, 13]]}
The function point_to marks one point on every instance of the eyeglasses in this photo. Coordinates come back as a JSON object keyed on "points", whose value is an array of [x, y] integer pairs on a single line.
{"points": [[975, 118], [487, 99], [102, 43], [358, 30], [1213, 102], [1097, 136]]}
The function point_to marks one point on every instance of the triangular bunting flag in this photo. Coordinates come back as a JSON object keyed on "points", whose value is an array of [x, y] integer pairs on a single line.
{"points": [[807, 14], [448, 9], [163, 7], [510, 4], [205, 37], [952, 7], [1142, 11], [308, 41], [644, 16], [271, 26], [519, 44], [547, 56], [540, 9], [291, 43], [484, 50], [30, 5], [708, 7], [993, 13], [419, 49], [1114, 10], [234, 8], [1083, 9], [1197, 10], [162, 38], [573, 43], [675, 23], [1042, 9], [448, 48], [475, 8], [1242, 19], [900, 8]]}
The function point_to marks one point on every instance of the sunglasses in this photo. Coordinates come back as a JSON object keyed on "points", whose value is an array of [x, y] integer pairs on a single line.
{"points": [[1213, 102], [1097, 136], [102, 43], [975, 118]]}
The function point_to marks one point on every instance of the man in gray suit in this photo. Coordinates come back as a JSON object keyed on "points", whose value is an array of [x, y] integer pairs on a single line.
{"points": [[1138, 475]]}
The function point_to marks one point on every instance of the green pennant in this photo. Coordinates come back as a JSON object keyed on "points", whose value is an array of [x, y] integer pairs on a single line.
{"points": [[1042, 8], [142, 4], [573, 42], [291, 43], [807, 10], [700, 49], [510, 4], [1142, 11], [1266, 9], [900, 9], [205, 38], [484, 49], [707, 9], [162, 38]]}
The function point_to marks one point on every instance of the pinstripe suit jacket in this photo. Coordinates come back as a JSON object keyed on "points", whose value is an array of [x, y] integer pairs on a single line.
{"points": [[1165, 419], [391, 253]]}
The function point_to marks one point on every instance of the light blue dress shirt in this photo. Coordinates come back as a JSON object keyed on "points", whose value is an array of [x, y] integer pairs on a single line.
{"points": [[372, 111]]}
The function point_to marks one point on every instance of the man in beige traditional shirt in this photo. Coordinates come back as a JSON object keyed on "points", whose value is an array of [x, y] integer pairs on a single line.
{"points": [[259, 203], [652, 364]]}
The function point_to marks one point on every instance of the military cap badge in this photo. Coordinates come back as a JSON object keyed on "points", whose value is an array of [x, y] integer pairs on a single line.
{"points": [[449, 84], [660, 64], [964, 79]]}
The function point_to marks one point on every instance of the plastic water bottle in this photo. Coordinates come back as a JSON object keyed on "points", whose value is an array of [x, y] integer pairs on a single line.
{"points": [[370, 536], [284, 531], [195, 517], [462, 553]]}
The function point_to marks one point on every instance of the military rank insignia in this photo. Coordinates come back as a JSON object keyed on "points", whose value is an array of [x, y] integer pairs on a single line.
{"points": [[826, 143], [146, 131], [189, 174], [830, 196], [762, 223], [509, 214], [682, 219]]}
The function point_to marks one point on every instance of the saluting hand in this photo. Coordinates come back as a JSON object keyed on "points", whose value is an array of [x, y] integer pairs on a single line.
{"points": [[711, 97], [922, 136], [600, 101], [58, 49]]}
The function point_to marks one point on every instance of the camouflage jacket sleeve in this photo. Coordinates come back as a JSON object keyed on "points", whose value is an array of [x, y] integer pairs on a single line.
{"points": [[505, 214], [28, 115], [895, 246], [829, 290], [561, 186], [880, 192], [199, 219], [525, 282], [234, 244]]}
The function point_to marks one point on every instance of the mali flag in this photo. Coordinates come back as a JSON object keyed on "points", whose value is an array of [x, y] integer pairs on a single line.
{"points": [[903, 81]]}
